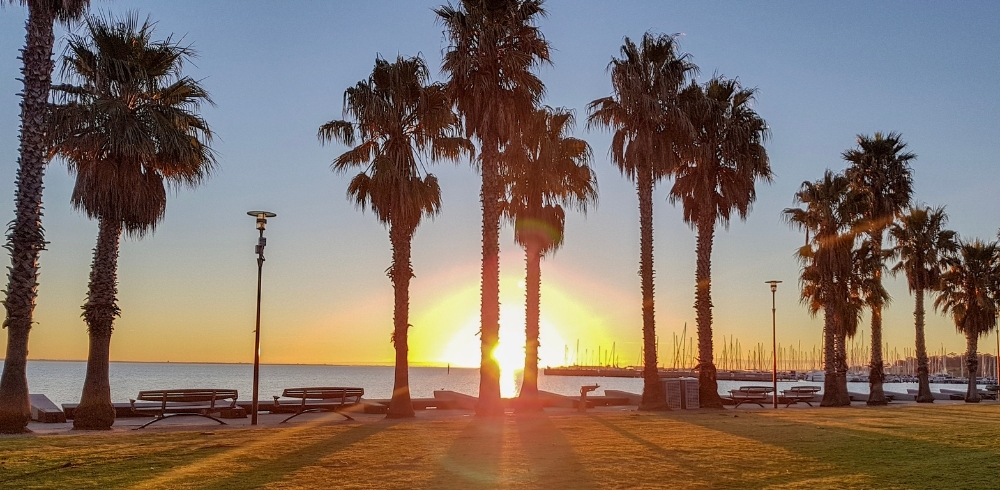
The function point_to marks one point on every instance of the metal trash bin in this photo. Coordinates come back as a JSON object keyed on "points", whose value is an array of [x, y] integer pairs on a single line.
{"points": [[682, 393]]}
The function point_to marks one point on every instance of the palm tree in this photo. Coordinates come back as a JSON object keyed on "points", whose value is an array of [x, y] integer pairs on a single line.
{"points": [[493, 46], [969, 291], [830, 210], [922, 243], [398, 117], [127, 128], [26, 238], [864, 285], [547, 170], [880, 169], [717, 177], [649, 125]]}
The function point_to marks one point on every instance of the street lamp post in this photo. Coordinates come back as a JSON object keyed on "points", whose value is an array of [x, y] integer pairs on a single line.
{"points": [[774, 341], [261, 242]]}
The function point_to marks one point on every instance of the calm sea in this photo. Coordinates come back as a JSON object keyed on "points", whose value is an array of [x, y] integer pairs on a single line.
{"points": [[62, 381]]}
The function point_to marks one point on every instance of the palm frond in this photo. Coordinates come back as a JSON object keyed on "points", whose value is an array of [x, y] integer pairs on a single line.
{"points": [[127, 121]]}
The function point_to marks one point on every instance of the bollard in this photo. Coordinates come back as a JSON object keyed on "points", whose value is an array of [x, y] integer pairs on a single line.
{"points": [[582, 407]]}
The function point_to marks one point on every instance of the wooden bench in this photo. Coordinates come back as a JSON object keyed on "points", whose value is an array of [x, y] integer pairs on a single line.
{"points": [[327, 398], [993, 390], [185, 402], [750, 394], [805, 394]]}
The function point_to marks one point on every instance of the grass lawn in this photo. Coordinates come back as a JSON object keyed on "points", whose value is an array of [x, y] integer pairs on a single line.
{"points": [[942, 446]]}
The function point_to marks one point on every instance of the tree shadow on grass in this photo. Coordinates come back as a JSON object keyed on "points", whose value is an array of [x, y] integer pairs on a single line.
{"points": [[552, 462], [473, 460], [890, 460], [308, 455], [654, 448]]}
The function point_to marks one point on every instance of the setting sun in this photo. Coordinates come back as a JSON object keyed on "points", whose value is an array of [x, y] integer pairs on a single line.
{"points": [[447, 331]]}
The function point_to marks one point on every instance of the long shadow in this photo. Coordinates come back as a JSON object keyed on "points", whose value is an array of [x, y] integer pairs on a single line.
{"points": [[67, 457], [551, 458], [891, 461], [663, 452], [473, 460], [308, 455]]}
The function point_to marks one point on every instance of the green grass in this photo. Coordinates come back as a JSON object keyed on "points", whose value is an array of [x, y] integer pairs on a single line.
{"points": [[953, 446]]}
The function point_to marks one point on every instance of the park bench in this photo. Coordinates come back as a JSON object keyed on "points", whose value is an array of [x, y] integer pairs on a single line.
{"points": [[990, 393], [750, 394], [316, 399], [805, 394], [184, 402]]}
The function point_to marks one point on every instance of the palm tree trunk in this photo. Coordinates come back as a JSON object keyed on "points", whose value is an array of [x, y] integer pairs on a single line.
{"points": [[653, 395], [528, 398], [95, 410], [876, 371], [708, 385], [924, 388], [400, 236], [972, 365], [26, 238], [843, 395], [489, 314], [830, 387]]}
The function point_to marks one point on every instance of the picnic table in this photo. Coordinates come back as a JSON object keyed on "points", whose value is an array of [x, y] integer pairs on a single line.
{"points": [[805, 394], [750, 394], [197, 402], [324, 398]]}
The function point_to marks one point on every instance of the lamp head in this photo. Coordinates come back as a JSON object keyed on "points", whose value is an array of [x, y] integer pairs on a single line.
{"points": [[261, 218], [774, 285]]}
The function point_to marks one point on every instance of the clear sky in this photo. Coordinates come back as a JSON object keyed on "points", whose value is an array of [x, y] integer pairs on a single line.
{"points": [[277, 70]]}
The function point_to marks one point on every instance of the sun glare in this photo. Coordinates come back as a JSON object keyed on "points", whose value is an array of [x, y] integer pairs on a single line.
{"points": [[447, 331], [509, 353], [464, 347]]}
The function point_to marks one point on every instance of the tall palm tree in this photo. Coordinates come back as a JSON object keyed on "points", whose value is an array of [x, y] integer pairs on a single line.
{"points": [[969, 291], [26, 238], [829, 212], [880, 169], [922, 243], [649, 125], [717, 177], [398, 116], [129, 126], [547, 170], [493, 47]]}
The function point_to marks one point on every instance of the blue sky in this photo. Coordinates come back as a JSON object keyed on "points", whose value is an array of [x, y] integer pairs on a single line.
{"points": [[825, 72]]}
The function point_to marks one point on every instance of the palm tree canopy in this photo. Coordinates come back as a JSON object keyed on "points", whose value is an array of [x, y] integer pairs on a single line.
{"points": [[131, 122], [881, 169], [830, 210], [922, 243], [865, 281], [969, 287], [62, 10], [493, 46], [719, 168], [399, 117], [644, 112], [548, 169]]}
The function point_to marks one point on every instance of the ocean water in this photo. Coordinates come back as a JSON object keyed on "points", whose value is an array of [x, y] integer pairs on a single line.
{"points": [[62, 381]]}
